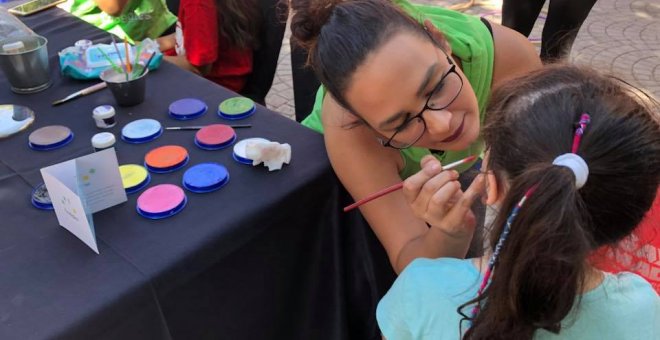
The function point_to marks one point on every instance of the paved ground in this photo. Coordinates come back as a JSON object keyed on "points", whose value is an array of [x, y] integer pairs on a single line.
{"points": [[619, 36]]}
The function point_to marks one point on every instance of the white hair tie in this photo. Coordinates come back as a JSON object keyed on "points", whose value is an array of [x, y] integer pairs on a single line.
{"points": [[576, 164]]}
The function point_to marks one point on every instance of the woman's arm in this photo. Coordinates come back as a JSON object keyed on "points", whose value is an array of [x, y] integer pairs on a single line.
{"points": [[112, 7], [364, 166], [166, 42], [514, 55]]}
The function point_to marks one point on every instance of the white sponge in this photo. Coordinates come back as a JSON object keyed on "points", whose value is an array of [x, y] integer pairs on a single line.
{"points": [[272, 154]]}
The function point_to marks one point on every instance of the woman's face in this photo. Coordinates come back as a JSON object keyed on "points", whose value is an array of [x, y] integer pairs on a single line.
{"points": [[394, 84]]}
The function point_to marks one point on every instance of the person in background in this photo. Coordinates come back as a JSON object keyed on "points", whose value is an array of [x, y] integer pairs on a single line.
{"points": [[572, 165], [565, 17], [215, 39], [131, 19]]}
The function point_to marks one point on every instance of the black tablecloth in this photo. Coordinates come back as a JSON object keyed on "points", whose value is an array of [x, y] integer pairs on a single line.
{"points": [[269, 256]]}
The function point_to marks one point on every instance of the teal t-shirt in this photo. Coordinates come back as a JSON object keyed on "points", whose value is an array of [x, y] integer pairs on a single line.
{"points": [[472, 43], [423, 301]]}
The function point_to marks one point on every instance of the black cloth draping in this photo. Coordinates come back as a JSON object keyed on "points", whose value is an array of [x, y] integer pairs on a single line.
{"points": [[269, 256]]}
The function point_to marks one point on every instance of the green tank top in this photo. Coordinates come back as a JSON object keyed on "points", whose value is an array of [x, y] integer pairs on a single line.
{"points": [[142, 19], [472, 43]]}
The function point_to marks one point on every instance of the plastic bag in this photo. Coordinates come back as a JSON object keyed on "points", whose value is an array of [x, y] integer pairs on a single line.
{"points": [[87, 61]]}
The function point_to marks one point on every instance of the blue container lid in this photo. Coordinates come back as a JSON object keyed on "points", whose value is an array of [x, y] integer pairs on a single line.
{"points": [[50, 138], [238, 116], [205, 177], [168, 169], [212, 147], [134, 177], [40, 198], [239, 150], [141, 131], [187, 108]]}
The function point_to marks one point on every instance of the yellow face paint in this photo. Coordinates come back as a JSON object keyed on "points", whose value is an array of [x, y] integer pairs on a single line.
{"points": [[132, 175]]}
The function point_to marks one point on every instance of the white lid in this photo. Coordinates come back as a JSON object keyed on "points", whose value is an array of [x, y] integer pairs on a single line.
{"points": [[103, 111], [103, 140], [14, 47], [83, 43]]}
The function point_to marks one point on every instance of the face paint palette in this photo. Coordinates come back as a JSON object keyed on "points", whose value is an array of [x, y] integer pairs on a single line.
{"points": [[166, 159], [161, 201], [134, 177], [141, 131], [50, 137], [215, 137], [40, 198], [14, 118], [236, 108], [239, 150], [187, 108], [205, 177]]}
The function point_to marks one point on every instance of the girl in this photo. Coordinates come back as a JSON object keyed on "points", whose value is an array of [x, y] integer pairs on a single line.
{"points": [[573, 163], [398, 90], [215, 39]]}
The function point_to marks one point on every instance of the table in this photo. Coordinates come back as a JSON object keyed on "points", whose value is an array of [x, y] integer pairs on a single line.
{"points": [[269, 256]]}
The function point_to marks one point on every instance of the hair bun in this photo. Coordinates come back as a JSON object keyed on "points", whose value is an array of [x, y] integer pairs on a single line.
{"points": [[308, 18]]}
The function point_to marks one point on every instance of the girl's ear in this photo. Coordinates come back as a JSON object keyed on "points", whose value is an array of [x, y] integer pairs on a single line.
{"points": [[492, 191], [437, 35]]}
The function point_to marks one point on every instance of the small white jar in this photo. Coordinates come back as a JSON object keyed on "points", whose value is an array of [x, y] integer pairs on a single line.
{"points": [[104, 116], [103, 140]]}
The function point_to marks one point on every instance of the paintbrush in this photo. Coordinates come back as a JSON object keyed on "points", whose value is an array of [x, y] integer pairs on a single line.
{"points": [[121, 60], [399, 185], [81, 93], [129, 67], [235, 126], [146, 66]]}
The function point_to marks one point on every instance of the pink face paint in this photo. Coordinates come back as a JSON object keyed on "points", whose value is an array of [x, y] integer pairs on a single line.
{"points": [[161, 201], [215, 137]]}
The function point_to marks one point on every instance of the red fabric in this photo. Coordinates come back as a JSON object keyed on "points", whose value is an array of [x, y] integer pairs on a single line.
{"points": [[205, 45], [639, 254]]}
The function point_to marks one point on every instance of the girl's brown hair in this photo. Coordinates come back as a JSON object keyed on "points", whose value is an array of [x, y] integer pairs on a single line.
{"points": [[530, 121], [239, 22]]}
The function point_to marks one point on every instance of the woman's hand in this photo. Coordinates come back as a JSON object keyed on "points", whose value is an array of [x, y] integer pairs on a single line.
{"points": [[436, 197]]}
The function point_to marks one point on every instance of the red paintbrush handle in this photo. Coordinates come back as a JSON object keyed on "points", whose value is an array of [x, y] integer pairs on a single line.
{"points": [[373, 196]]}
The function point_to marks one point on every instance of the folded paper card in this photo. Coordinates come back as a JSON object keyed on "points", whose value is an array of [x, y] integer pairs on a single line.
{"points": [[82, 186]]}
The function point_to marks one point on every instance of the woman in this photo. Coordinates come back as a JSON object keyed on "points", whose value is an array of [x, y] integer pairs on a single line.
{"points": [[394, 83]]}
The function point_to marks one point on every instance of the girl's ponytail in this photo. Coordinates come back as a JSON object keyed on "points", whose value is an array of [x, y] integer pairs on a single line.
{"points": [[539, 271]]}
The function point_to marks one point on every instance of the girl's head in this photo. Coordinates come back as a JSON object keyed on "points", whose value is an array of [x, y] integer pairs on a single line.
{"points": [[239, 22], [384, 67], [531, 121]]}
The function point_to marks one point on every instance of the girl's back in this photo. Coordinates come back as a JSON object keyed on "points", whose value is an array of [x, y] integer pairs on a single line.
{"points": [[421, 305]]}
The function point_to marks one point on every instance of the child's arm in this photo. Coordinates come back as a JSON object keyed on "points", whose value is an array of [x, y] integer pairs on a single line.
{"points": [[166, 42], [182, 62]]}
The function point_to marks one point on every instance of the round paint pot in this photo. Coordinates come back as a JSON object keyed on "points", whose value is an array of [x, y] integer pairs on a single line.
{"points": [[236, 108], [104, 116], [205, 177], [239, 150], [134, 177], [187, 108], [40, 198], [161, 201], [103, 140], [50, 137], [215, 137], [141, 131], [166, 158]]}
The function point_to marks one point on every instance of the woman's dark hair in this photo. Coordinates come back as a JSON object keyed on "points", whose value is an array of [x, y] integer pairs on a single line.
{"points": [[239, 22], [541, 268], [339, 36]]}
